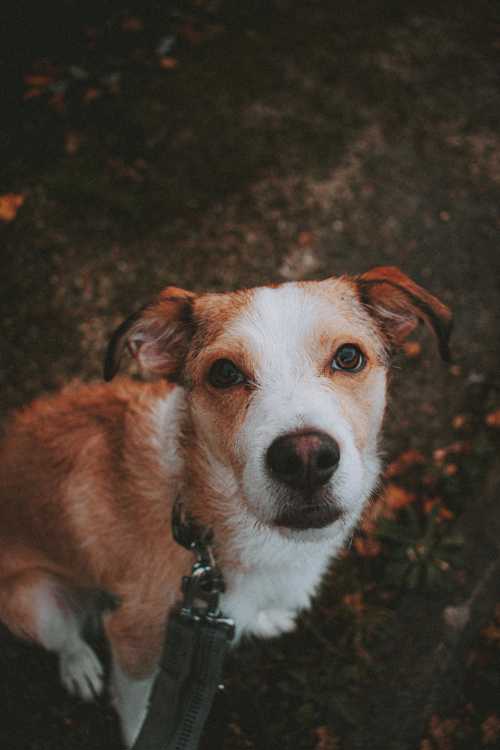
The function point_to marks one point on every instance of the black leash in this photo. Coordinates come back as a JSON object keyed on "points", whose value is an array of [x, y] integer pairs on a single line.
{"points": [[196, 642]]}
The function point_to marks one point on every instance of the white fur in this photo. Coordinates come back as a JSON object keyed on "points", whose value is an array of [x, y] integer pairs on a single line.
{"points": [[58, 629], [130, 699]]}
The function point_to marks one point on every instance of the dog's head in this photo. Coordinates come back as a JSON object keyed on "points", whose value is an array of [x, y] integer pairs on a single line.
{"points": [[286, 384]]}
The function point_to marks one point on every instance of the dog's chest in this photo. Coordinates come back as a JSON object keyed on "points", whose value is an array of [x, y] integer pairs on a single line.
{"points": [[264, 598]]}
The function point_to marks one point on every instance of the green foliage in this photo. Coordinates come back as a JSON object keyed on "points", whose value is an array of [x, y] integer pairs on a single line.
{"points": [[422, 550]]}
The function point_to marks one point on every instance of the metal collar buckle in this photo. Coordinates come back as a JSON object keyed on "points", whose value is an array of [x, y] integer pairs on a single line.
{"points": [[203, 588]]}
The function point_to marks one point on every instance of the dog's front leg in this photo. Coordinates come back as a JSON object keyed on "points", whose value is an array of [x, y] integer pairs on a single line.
{"points": [[136, 648]]}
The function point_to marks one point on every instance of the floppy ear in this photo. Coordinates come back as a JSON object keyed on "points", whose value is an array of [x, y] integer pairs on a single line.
{"points": [[157, 335], [399, 305]]}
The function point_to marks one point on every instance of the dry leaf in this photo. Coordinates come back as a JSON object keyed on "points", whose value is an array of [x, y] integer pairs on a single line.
{"points": [[397, 497], [91, 94], [493, 418], [412, 349], [404, 462], [459, 421], [354, 601], [72, 142], [10, 203], [325, 739], [442, 732], [305, 238], [37, 81], [490, 729], [491, 633], [367, 547], [168, 63], [132, 24]]}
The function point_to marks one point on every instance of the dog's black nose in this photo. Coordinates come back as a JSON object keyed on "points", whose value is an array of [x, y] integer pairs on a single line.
{"points": [[303, 460]]}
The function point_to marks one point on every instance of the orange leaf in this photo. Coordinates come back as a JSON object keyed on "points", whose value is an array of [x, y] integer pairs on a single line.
{"points": [[326, 739], [491, 633], [404, 462], [397, 497], [493, 418], [354, 601], [490, 729], [37, 81], [459, 421], [10, 203], [367, 547], [72, 142], [168, 63], [132, 24], [305, 238], [412, 349]]}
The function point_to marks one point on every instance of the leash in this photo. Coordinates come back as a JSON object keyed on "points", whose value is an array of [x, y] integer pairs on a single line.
{"points": [[196, 642]]}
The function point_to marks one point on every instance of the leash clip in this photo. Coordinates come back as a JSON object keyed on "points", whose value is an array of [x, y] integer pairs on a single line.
{"points": [[203, 588]]}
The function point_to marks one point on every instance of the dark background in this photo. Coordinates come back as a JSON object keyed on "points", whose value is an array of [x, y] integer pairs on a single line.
{"points": [[213, 145]]}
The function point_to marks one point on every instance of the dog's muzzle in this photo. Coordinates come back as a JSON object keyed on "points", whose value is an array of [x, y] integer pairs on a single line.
{"points": [[304, 462]]}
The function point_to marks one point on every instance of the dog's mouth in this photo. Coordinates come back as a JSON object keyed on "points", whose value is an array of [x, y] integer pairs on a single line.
{"points": [[314, 516]]}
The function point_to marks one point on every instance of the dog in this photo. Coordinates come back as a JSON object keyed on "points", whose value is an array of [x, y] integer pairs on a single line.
{"points": [[262, 412]]}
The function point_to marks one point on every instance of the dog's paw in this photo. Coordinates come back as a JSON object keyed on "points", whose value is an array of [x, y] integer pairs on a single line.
{"points": [[81, 672], [272, 622]]}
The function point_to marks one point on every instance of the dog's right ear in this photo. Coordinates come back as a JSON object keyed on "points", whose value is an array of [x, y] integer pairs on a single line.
{"points": [[157, 335]]}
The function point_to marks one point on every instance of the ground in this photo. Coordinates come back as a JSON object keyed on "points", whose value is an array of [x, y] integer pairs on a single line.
{"points": [[216, 145]]}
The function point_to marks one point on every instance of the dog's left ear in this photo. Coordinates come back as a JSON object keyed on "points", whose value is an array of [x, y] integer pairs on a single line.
{"points": [[399, 305], [157, 335]]}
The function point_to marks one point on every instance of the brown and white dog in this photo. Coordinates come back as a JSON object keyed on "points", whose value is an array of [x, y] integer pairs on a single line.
{"points": [[268, 430]]}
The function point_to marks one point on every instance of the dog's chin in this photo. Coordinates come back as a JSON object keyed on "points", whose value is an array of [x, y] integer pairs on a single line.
{"points": [[300, 513], [309, 517]]}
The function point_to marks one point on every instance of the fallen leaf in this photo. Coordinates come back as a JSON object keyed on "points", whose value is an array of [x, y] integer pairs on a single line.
{"points": [[490, 729], [459, 421], [32, 93], [412, 349], [442, 731], [366, 547], [10, 203], [397, 497], [132, 24], [444, 514], [37, 81], [491, 633], [354, 601], [91, 94], [325, 739], [404, 462], [72, 142], [493, 418], [305, 238], [168, 63]]}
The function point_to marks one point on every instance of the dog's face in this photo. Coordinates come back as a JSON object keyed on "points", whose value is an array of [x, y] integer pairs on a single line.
{"points": [[286, 385]]}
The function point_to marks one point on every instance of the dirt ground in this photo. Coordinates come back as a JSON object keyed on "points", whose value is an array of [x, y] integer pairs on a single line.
{"points": [[213, 145]]}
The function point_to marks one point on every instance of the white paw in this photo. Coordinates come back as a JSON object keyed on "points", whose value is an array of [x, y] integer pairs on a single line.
{"points": [[81, 671], [272, 622]]}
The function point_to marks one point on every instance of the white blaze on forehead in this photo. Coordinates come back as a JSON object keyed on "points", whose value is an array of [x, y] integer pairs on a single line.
{"points": [[277, 327]]}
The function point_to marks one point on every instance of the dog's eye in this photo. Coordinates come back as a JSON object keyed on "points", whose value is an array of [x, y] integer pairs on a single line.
{"points": [[349, 357], [224, 374]]}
